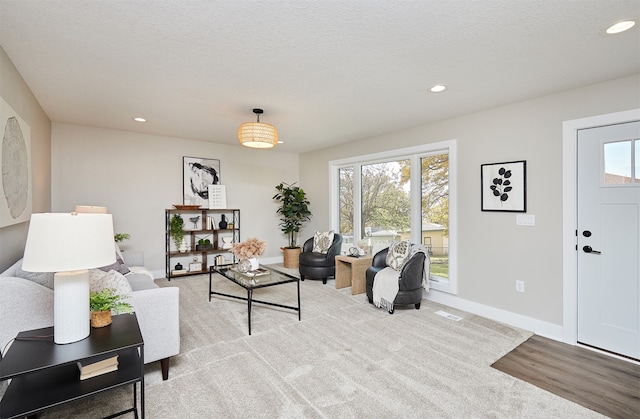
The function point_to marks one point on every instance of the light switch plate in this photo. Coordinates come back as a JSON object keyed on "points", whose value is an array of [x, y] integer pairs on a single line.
{"points": [[528, 220]]}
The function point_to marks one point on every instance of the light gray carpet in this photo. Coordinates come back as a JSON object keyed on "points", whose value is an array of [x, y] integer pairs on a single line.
{"points": [[345, 359]]}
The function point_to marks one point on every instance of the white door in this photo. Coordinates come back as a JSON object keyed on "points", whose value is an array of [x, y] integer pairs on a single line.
{"points": [[609, 238]]}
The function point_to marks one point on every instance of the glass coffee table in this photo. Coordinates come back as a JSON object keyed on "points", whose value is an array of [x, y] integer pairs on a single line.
{"points": [[271, 279]]}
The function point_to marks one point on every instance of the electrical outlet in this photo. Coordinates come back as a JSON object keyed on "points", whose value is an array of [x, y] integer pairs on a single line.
{"points": [[520, 286]]}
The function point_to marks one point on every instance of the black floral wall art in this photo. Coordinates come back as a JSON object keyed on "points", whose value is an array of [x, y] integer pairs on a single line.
{"points": [[503, 186]]}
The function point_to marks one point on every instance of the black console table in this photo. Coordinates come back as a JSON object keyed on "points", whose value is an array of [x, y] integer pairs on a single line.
{"points": [[44, 375]]}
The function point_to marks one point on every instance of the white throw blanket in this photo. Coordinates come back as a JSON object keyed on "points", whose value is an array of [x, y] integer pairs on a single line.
{"points": [[385, 283]]}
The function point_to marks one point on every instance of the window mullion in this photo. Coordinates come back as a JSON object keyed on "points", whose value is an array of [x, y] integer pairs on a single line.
{"points": [[357, 202], [415, 187]]}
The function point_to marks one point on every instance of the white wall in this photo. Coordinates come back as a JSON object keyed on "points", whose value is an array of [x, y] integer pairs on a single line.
{"points": [[138, 176], [492, 250], [16, 93]]}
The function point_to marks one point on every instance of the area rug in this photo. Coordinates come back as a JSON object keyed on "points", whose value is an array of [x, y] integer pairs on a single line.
{"points": [[344, 359]]}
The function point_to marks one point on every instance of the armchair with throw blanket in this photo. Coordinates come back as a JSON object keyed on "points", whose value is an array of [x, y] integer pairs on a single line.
{"points": [[318, 256], [401, 276]]}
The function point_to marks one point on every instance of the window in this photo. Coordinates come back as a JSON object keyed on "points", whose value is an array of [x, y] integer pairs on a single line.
{"points": [[621, 163], [406, 194]]}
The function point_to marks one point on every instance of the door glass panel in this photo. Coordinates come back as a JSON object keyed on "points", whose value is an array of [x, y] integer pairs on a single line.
{"points": [[346, 206], [386, 206], [617, 163], [435, 212]]}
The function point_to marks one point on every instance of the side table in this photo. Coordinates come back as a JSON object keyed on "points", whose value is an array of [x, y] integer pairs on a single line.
{"points": [[350, 272], [44, 375]]}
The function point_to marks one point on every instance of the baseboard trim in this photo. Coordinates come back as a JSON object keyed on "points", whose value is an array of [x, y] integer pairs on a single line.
{"points": [[539, 327]]}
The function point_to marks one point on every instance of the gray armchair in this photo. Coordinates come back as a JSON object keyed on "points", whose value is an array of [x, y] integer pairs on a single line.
{"points": [[319, 265], [409, 283]]}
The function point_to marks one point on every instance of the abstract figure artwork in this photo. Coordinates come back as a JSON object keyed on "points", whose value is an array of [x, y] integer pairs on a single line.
{"points": [[15, 155], [198, 174], [504, 186]]}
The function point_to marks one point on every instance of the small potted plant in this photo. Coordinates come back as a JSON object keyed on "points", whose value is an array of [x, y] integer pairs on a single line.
{"points": [[103, 303], [204, 244], [294, 211], [120, 237]]}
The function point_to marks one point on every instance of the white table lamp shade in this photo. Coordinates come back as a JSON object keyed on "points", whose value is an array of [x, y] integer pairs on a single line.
{"points": [[69, 245], [69, 242]]}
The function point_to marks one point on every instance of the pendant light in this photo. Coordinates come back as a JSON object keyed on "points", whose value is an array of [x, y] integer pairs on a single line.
{"points": [[257, 134]]}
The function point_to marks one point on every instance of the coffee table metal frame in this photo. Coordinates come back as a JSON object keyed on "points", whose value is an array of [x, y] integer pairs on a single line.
{"points": [[250, 284]]}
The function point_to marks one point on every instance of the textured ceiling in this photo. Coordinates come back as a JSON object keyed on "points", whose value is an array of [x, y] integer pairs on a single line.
{"points": [[325, 72]]}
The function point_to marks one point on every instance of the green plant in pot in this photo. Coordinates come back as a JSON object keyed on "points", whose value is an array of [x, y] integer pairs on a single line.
{"points": [[120, 237], [103, 303], [204, 244], [294, 212], [176, 230]]}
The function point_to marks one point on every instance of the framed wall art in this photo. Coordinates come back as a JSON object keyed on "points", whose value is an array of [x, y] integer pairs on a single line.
{"points": [[504, 186], [197, 175], [15, 159]]}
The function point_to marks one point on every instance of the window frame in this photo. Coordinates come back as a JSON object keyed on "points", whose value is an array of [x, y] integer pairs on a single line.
{"points": [[414, 154]]}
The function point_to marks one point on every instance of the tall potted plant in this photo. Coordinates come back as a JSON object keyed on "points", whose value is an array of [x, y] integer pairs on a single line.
{"points": [[294, 212]]}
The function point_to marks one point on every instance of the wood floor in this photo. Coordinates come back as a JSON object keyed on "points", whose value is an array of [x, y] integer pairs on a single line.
{"points": [[605, 384]]}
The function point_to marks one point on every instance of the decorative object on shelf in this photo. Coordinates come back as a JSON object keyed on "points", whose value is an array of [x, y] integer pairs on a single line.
{"points": [[195, 265], [223, 223], [227, 242], [60, 243], [220, 260], [178, 266], [103, 303], [197, 175], [204, 244], [194, 220], [187, 207], [258, 134], [504, 186], [294, 212], [217, 197], [176, 231]]}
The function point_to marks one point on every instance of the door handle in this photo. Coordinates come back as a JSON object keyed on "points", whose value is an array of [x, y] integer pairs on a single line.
{"points": [[589, 249]]}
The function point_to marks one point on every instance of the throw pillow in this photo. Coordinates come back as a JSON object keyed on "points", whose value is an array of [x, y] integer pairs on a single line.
{"points": [[398, 254], [100, 280], [322, 241], [117, 266], [43, 278]]}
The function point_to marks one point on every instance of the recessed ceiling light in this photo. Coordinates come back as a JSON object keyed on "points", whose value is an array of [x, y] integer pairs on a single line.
{"points": [[438, 88], [621, 26], [280, 142], [139, 119]]}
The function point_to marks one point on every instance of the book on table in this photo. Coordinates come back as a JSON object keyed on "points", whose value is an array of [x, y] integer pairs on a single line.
{"points": [[100, 371], [102, 363]]}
